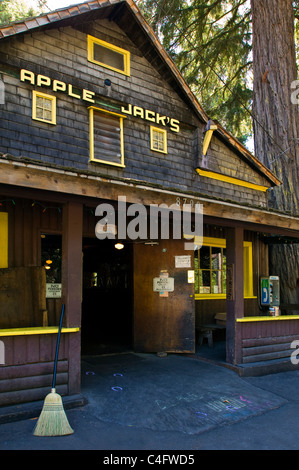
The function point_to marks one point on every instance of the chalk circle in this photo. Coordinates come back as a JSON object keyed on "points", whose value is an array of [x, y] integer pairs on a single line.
{"points": [[117, 389], [90, 373], [200, 414], [118, 374]]}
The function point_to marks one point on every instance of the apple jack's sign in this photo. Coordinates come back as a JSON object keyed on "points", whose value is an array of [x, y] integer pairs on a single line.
{"points": [[41, 80], [151, 116]]}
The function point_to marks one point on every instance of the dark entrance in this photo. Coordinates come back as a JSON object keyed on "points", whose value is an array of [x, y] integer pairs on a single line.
{"points": [[107, 303]]}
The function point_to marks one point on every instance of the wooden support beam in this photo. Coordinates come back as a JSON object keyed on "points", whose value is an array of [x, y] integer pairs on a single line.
{"points": [[234, 292], [72, 220]]}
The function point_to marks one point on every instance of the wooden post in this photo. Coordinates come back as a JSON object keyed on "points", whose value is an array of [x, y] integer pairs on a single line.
{"points": [[235, 292], [72, 223]]}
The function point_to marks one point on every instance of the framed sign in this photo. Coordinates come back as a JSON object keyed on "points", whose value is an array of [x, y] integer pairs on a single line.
{"points": [[53, 291]]}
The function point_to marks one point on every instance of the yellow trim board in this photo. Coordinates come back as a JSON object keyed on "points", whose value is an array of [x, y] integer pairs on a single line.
{"points": [[279, 318], [3, 239], [231, 180], [36, 331]]}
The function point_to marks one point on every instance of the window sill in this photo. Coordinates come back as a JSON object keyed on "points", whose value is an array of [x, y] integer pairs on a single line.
{"points": [[104, 162], [218, 297], [36, 331]]}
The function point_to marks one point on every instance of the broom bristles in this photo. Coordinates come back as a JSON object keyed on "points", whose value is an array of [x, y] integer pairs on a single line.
{"points": [[52, 420]]}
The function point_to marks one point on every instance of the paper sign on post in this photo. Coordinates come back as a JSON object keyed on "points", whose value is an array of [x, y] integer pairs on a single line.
{"points": [[163, 284]]}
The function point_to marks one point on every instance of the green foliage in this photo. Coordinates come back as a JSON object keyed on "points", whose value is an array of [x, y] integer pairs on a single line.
{"points": [[14, 10], [210, 42]]}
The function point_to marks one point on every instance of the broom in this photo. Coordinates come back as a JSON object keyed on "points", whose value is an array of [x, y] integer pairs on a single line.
{"points": [[52, 420]]}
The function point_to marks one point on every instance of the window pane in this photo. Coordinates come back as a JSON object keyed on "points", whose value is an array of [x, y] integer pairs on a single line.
{"points": [[47, 115], [205, 282], [39, 113], [216, 282], [205, 257], [47, 104], [108, 57], [216, 258]]}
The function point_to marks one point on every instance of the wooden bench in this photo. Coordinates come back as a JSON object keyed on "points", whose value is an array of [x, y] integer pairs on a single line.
{"points": [[206, 330]]}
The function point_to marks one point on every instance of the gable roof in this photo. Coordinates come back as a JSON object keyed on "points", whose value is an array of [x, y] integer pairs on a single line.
{"points": [[128, 17]]}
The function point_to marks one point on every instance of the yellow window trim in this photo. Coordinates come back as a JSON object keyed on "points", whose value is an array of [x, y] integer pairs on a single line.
{"points": [[159, 131], [36, 94], [91, 40], [231, 180], [3, 239], [91, 137], [248, 268]]}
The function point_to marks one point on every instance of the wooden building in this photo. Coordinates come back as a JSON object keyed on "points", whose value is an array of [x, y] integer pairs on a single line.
{"points": [[94, 110]]}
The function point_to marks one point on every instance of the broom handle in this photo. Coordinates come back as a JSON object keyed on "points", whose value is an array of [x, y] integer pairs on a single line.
{"points": [[57, 348]]}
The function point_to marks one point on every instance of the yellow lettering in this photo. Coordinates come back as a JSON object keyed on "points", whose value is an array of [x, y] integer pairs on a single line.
{"points": [[59, 86], [43, 80], [174, 125], [150, 115], [127, 111], [160, 119], [88, 95], [71, 93], [26, 75], [138, 112]]}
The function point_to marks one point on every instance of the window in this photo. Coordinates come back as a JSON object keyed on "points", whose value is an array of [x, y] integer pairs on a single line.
{"points": [[106, 137], [158, 140], [109, 56], [210, 269], [43, 107]]}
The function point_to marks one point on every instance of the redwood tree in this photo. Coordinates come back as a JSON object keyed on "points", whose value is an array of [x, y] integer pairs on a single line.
{"points": [[276, 123]]}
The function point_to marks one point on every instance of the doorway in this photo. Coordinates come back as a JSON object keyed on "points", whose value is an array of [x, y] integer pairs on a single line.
{"points": [[107, 297]]}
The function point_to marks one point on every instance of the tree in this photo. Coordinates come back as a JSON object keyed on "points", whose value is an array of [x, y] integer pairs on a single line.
{"points": [[13, 10], [210, 41], [276, 129]]}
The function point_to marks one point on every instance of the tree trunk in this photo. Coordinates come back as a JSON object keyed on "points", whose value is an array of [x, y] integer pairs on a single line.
{"points": [[276, 124]]}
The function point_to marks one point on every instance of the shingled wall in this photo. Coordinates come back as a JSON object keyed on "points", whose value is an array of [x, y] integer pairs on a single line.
{"points": [[62, 54]]}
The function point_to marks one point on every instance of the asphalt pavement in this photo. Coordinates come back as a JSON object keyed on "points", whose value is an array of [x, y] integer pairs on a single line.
{"points": [[142, 402]]}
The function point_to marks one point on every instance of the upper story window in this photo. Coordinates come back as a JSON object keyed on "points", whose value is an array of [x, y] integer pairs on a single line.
{"points": [[108, 55], [106, 137], [158, 140], [43, 107]]}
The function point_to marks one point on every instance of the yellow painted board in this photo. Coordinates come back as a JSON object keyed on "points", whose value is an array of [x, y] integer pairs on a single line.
{"points": [[3, 239], [256, 319], [36, 331], [231, 180]]}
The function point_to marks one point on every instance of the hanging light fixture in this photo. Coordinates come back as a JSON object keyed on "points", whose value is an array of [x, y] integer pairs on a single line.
{"points": [[119, 246]]}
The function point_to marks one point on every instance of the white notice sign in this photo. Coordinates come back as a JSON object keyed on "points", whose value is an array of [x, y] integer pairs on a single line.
{"points": [[163, 284], [53, 291], [183, 261]]}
